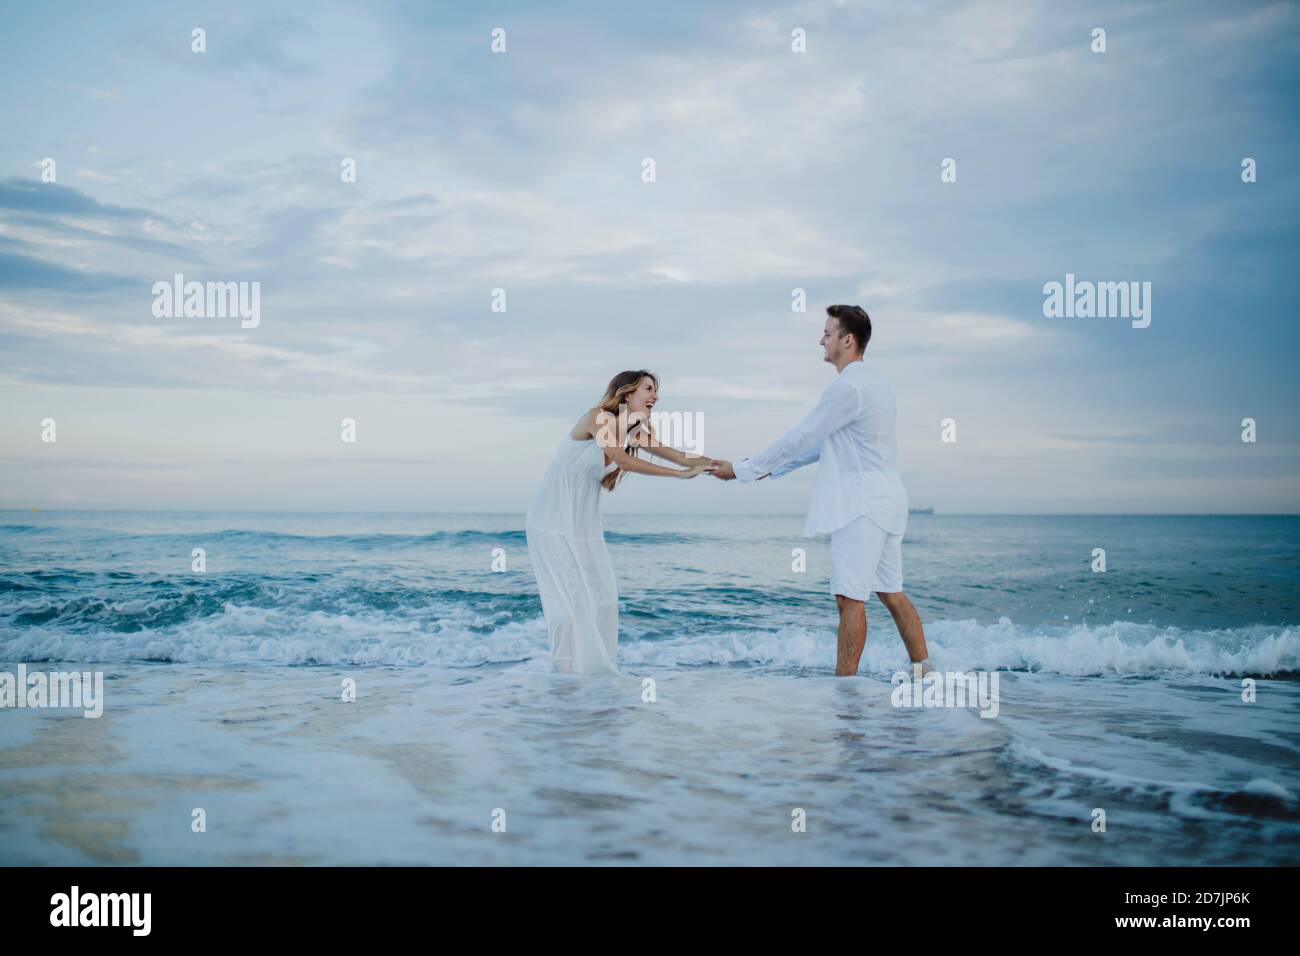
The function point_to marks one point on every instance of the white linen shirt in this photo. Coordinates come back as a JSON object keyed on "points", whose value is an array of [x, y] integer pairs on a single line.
{"points": [[853, 435]]}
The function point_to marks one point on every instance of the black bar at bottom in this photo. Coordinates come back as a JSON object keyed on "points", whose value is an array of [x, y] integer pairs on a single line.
{"points": [[335, 905]]}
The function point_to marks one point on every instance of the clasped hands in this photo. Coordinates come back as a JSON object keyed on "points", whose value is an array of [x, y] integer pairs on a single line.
{"points": [[723, 470]]}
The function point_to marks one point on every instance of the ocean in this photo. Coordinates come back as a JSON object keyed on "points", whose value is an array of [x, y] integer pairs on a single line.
{"points": [[1147, 713]]}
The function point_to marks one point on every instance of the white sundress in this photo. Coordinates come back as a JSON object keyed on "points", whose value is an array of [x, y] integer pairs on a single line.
{"points": [[566, 546]]}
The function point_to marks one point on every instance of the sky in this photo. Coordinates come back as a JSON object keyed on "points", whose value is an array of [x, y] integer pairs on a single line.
{"points": [[524, 170]]}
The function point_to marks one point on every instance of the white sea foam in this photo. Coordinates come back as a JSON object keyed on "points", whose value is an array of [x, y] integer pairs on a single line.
{"points": [[1119, 649], [456, 636]]}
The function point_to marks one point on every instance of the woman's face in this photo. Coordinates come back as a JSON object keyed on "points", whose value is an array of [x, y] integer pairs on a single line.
{"points": [[643, 397]]}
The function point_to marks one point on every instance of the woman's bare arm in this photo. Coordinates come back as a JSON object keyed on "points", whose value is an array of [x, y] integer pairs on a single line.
{"points": [[647, 439], [641, 467], [586, 427], [602, 427]]}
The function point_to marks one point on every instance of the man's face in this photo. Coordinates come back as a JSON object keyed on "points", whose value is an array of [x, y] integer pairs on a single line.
{"points": [[833, 340]]}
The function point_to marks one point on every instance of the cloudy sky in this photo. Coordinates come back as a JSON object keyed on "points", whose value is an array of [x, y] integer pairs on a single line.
{"points": [[774, 170]]}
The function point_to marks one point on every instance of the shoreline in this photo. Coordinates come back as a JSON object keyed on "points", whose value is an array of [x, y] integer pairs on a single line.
{"points": [[580, 771]]}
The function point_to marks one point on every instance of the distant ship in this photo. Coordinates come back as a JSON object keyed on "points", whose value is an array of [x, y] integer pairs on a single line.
{"points": [[920, 511]]}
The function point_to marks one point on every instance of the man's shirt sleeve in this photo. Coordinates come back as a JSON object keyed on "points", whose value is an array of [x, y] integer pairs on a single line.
{"points": [[799, 462], [839, 405]]}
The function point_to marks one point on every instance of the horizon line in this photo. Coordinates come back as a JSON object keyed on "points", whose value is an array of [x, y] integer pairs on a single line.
{"points": [[926, 513]]}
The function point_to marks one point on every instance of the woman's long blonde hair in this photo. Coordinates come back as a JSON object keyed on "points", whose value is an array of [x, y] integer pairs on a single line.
{"points": [[620, 386]]}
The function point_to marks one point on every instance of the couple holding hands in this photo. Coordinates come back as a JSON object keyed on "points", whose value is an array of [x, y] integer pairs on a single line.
{"points": [[858, 498]]}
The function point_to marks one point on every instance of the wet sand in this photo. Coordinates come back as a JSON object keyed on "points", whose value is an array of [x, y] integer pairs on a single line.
{"points": [[580, 770]]}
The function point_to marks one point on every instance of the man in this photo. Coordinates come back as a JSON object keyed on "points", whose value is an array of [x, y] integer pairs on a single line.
{"points": [[858, 495]]}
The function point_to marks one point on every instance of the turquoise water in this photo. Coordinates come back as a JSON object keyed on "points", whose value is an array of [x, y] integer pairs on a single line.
{"points": [[1120, 690], [1009, 592]]}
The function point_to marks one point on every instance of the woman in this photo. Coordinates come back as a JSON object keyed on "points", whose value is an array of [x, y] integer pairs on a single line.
{"points": [[566, 543]]}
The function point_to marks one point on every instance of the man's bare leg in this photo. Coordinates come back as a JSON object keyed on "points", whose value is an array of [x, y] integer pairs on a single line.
{"points": [[852, 635], [908, 622]]}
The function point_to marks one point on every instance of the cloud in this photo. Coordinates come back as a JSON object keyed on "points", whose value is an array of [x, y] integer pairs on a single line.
{"points": [[20, 272], [53, 199], [93, 94], [775, 171]]}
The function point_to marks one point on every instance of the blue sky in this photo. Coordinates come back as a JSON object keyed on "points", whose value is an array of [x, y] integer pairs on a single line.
{"points": [[775, 170]]}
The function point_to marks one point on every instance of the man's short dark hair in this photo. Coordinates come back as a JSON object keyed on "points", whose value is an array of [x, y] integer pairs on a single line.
{"points": [[853, 321]]}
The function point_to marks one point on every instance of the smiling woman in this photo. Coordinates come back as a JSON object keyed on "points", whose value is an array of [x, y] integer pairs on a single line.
{"points": [[566, 542]]}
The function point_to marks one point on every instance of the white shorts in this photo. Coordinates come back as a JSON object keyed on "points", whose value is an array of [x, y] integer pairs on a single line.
{"points": [[865, 558]]}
